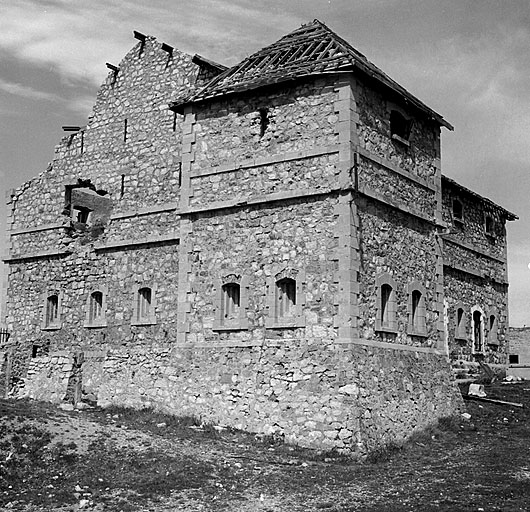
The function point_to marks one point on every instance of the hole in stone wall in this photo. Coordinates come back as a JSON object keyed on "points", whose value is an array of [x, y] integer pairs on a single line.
{"points": [[263, 121], [513, 358]]}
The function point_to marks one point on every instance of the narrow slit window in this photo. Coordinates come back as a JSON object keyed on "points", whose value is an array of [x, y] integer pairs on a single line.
{"points": [[400, 127], [478, 344], [489, 225], [263, 121], [52, 310], [96, 306], [125, 130], [460, 331], [458, 210], [417, 314], [416, 298], [386, 293], [231, 301], [492, 334], [144, 304], [286, 296]]}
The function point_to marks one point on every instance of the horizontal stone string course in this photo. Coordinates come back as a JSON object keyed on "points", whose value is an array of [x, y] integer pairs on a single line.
{"points": [[391, 167], [38, 255], [261, 161], [474, 249], [373, 194]]}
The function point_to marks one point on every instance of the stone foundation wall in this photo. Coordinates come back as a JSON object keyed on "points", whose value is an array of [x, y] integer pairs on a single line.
{"points": [[317, 394]]}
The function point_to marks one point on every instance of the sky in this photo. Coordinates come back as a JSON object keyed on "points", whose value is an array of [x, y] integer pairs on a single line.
{"points": [[469, 60]]}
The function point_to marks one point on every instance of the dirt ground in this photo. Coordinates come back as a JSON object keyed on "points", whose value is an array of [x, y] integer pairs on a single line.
{"points": [[123, 460]]}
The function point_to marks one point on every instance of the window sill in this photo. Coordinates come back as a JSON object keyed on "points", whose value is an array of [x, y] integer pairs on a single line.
{"points": [[144, 322], [386, 329], [51, 327], [395, 136], [285, 323], [224, 328], [420, 334], [94, 325]]}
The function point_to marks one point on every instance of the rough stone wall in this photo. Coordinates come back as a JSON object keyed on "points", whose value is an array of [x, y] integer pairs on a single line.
{"points": [[299, 117], [311, 392], [475, 275], [374, 109], [398, 184], [139, 168], [259, 242], [404, 247]]}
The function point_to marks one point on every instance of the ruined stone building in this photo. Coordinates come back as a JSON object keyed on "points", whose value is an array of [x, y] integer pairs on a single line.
{"points": [[270, 246]]}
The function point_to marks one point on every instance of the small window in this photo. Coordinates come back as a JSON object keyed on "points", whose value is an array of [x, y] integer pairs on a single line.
{"points": [[52, 311], [460, 324], [478, 332], [263, 121], [417, 325], [492, 330], [489, 225], [144, 306], [513, 358], [81, 214], [231, 301], [385, 319], [400, 127], [458, 210], [286, 300], [386, 292], [96, 309], [285, 297]]}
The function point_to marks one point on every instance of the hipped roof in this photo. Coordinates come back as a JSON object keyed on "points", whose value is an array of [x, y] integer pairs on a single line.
{"points": [[312, 49]]}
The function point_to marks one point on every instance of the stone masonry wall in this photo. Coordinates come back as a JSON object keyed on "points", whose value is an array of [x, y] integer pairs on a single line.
{"points": [[519, 344], [374, 134], [468, 291], [259, 242], [313, 393], [299, 117], [404, 247]]}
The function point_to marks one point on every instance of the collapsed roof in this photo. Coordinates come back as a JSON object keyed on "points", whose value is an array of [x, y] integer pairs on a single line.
{"points": [[312, 49]]}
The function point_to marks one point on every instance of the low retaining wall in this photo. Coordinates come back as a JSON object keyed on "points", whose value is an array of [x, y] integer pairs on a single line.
{"points": [[323, 395]]}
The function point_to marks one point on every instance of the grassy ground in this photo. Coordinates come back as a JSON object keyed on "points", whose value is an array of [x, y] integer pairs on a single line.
{"points": [[122, 460]]}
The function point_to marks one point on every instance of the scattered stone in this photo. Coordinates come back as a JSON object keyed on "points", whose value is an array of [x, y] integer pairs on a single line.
{"points": [[161, 425], [66, 407], [466, 416], [476, 390]]}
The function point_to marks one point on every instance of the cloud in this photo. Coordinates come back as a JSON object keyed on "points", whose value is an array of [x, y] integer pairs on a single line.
{"points": [[26, 92], [77, 38]]}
